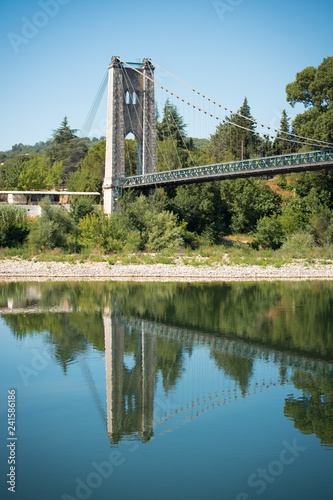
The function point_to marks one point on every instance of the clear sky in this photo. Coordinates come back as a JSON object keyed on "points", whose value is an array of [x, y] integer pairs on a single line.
{"points": [[54, 54]]}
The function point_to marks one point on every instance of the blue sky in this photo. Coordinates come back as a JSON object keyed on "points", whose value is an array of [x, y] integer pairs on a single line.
{"points": [[54, 54]]}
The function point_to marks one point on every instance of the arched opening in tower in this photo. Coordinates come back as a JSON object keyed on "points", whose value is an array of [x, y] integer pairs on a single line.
{"points": [[131, 147]]}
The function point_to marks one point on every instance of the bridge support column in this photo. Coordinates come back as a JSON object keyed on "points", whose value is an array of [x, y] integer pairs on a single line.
{"points": [[131, 109]]}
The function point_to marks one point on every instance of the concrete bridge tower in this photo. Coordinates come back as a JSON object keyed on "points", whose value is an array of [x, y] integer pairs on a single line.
{"points": [[131, 109]]}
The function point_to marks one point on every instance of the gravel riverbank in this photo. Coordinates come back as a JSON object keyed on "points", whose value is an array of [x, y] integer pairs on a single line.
{"points": [[21, 270]]}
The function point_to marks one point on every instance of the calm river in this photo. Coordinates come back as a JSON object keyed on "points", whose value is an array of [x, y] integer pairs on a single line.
{"points": [[163, 391]]}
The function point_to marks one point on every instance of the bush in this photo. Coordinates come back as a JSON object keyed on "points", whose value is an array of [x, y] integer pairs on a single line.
{"points": [[298, 241], [140, 225], [163, 232], [281, 181], [13, 226], [54, 228], [269, 232], [294, 217], [81, 206], [98, 230]]}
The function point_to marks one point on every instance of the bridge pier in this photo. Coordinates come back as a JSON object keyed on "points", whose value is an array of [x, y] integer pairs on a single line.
{"points": [[131, 109]]}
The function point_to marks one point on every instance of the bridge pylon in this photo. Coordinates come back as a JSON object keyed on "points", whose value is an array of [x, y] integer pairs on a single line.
{"points": [[131, 109]]}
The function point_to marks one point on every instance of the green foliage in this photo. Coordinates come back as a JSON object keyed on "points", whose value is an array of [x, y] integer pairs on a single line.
{"points": [[142, 224], [158, 228], [201, 207], [281, 147], [231, 143], [131, 156], [37, 173], [164, 232], [269, 232], [172, 125], [322, 227], [90, 175], [13, 226], [11, 171], [70, 153], [247, 201], [282, 181], [296, 242], [316, 188], [98, 230], [67, 148], [169, 156], [54, 228], [294, 217], [313, 87], [64, 133], [81, 206]]}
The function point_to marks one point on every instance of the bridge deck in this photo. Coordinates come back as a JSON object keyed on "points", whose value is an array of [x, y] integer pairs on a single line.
{"points": [[314, 160]]}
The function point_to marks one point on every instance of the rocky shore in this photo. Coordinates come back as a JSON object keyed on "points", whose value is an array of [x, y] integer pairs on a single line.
{"points": [[21, 270]]}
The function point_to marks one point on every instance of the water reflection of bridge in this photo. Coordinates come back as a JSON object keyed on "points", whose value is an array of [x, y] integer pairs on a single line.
{"points": [[153, 373], [132, 406]]}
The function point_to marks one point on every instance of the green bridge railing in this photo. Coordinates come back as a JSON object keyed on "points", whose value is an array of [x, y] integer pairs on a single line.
{"points": [[267, 163]]}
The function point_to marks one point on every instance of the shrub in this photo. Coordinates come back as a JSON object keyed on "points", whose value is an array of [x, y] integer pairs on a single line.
{"points": [[98, 230], [13, 226], [269, 232], [294, 217], [298, 241], [54, 228], [81, 206], [164, 232]]}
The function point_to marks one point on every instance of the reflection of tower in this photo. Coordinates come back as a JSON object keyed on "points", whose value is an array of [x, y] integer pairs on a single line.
{"points": [[130, 390]]}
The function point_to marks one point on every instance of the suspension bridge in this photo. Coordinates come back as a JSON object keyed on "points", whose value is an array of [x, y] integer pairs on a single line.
{"points": [[131, 110], [282, 164]]}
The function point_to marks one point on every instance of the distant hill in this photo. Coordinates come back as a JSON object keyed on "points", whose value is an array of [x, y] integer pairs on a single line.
{"points": [[38, 148], [200, 143]]}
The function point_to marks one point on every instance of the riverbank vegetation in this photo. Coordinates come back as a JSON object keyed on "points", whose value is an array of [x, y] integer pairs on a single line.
{"points": [[255, 220]]}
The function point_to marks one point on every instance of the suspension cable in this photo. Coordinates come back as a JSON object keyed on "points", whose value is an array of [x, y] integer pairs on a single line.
{"points": [[224, 120], [94, 107], [239, 114]]}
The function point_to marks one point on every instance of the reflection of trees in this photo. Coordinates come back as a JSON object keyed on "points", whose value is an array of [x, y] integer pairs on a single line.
{"points": [[313, 412], [289, 316], [169, 360], [238, 368], [68, 333]]}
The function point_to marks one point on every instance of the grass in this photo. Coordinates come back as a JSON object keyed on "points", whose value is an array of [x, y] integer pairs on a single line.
{"points": [[209, 255]]}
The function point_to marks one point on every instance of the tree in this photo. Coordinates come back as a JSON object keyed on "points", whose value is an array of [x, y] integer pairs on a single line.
{"points": [[281, 147], [38, 173], [64, 133], [200, 205], [231, 141], [68, 148], [172, 125], [89, 176], [247, 201], [313, 87], [269, 232]]}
